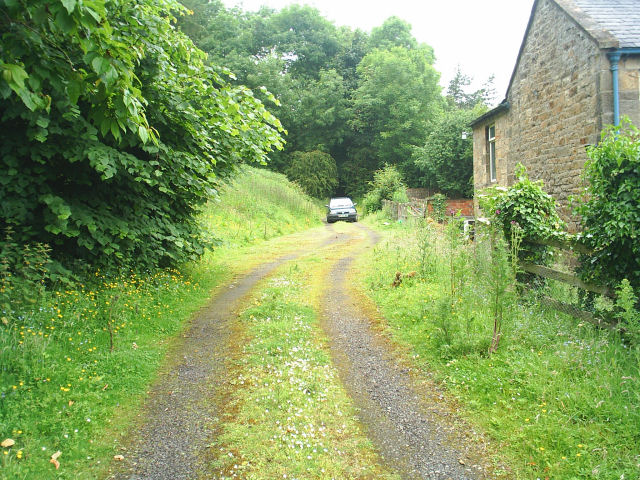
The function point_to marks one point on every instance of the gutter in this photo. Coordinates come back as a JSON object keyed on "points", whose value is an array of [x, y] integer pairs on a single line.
{"points": [[614, 59], [503, 106]]}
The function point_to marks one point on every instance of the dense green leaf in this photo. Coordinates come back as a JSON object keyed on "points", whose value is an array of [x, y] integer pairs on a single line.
{"points": [[113, 141], [609, 208]]}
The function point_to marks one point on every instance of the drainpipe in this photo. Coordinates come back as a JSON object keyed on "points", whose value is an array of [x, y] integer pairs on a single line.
{"points": [[614, 60]]}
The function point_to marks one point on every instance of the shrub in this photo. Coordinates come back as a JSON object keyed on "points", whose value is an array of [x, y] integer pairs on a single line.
{"points": [[387, 184], [610, 207], [528, 206], [116, 131], [627, 313], [315, 172], [439, 206], [446, 159]]}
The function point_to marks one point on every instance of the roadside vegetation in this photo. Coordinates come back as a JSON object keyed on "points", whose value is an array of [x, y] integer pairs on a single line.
{"points": [[561, 397], [286, 413], [258, 205], [76, 358]]}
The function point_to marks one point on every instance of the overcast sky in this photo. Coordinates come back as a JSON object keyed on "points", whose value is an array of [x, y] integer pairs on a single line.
{"points": [[483, 37]]}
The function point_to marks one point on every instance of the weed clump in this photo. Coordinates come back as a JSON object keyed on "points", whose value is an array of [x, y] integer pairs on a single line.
{"points": [[551, 389]]}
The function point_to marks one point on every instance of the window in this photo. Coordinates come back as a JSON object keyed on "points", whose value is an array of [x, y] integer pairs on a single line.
{"points": [[491, 152]]}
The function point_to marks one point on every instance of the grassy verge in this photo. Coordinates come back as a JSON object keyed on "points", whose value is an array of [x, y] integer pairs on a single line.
{"points": [[560, 398], [75, 362], [259, 205], [287, 415]]}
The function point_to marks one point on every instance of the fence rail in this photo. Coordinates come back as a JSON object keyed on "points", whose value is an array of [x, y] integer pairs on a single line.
{"points": [[420, 207], [569, 279]]}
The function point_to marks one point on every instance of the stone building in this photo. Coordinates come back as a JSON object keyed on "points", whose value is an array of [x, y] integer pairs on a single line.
{"points": [[578, 70]]}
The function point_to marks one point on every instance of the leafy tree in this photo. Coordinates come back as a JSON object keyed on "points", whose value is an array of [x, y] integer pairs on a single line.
{"points": [[387, 184], [398, 95], [315, 172], [306, 40], [337, 94], [115, 131], [459, 97], [610, 207], [394, 32], [446, 159], [317, 112], [354, 45]]}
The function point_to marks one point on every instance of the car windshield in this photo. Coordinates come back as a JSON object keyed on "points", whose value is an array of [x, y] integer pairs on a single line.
{"points": [[340, 202]]}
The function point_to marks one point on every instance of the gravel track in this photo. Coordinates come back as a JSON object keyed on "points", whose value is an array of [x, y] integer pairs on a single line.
{"points": [[413, 432], [180, 412], [406, 423]]}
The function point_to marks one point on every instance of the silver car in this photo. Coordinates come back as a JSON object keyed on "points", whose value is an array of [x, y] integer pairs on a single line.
{"points": [[341, 208]]}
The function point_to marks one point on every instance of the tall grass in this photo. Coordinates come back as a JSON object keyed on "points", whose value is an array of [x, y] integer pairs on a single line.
{"points": [[258, 205], [560, 398], [76, 359]]}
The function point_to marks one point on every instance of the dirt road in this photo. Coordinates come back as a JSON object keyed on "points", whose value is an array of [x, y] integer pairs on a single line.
{"points": [[412, 430]]}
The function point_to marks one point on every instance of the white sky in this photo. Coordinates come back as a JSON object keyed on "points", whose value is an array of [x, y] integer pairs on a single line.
{"points": [[483, 37]]}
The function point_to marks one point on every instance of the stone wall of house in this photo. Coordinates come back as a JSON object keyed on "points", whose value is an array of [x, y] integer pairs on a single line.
{"points": [[559, 97], [629, 84], [481, 174]]}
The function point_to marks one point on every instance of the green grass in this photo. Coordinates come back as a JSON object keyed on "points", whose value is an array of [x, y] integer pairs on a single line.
{"points": [[259, 205], [560, 399], [62, 387], [287, 415]]}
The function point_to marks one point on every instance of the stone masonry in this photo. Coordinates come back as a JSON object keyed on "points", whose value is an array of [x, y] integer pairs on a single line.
{"points": [[559, 98]]}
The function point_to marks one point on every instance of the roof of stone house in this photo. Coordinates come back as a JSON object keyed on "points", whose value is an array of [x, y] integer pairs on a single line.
{"points": [[611, 23]]}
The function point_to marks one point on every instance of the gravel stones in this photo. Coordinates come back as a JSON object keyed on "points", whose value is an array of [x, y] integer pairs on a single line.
{"points": [[410, 434]]}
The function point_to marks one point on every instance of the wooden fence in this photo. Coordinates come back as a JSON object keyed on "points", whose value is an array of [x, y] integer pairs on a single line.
{"points": [[569, 279], [420, 207]]}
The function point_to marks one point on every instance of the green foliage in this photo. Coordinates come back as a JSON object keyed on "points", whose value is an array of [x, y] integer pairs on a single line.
{"points": [[24, 272], [397, 96], [315, 172], [627, 311], [610, 207], [364, 99], [62, 385], [438, 206], [394, 32], [526, 204], [114, 140], [316, 112], [445, 161], [559, 393], [277, 207], [387, 183], [458, 97]]}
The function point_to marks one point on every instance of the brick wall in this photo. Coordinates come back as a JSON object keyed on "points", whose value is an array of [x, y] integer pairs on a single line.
{"points": [[560, 97], [464, 205]]}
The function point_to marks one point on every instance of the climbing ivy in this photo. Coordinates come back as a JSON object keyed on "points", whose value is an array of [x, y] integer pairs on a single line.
{"points": [[116, 130], [526, 207], [609, 207]]}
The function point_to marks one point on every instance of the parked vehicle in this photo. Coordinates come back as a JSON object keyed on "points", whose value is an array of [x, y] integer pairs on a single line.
{"points": [[341, 208]]}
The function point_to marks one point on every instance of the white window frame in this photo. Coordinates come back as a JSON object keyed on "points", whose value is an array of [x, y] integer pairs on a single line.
{"points": [[491, 151]]}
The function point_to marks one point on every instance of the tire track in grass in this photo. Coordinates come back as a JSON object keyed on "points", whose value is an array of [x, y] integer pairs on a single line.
{"points": [[285, 412], [411, 436], [179, 412]]}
